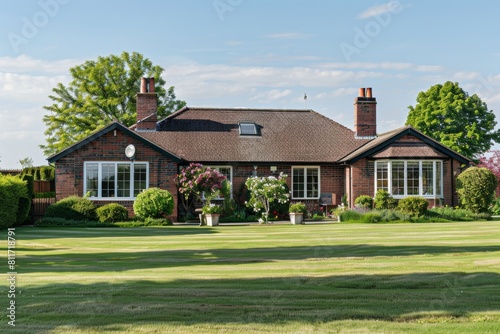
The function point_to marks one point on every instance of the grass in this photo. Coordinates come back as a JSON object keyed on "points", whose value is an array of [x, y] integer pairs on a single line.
{"points": [[325, 278]]}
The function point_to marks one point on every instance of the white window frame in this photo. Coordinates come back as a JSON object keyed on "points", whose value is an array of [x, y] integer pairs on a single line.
{"points": [[305, 182], [435, 185], [99, 177]]}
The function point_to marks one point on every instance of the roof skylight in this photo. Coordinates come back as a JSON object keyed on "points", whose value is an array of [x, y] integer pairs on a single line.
{"points": [[248, 129]]}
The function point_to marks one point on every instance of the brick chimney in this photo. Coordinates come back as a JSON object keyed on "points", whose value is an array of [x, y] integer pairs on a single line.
{"points": [[365, 114], [146, 104]]}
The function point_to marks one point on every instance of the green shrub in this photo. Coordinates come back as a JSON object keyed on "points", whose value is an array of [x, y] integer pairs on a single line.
{"points": [[495, 207], [384, 201], [298, 207], [391, 215], [371, 218], [476, 189], [23, 210], [72, 208], [364, 201], [413, 205], [54, 221], [344, 200], [154, 203], [12, 189], [350, 216], [146, 222], [48, 194], [112, 212], [318, 216]]}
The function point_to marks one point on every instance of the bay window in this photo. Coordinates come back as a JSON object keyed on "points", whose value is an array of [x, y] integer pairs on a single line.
{"points": [[113, 180], [305, 182], [410, 177]]}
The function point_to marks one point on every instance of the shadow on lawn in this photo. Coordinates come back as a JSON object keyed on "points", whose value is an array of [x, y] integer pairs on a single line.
{"points": [[34, 233], [123, 261], [416, 297]]}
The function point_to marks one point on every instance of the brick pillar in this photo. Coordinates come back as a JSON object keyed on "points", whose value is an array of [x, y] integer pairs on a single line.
{"points": [[146, 105]]}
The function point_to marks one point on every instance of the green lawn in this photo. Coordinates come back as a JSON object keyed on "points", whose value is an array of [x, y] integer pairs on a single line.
{"points": [[324, 278]]}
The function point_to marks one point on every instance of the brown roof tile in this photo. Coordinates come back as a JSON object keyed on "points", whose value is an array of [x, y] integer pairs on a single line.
{"points": [[212, 134]]}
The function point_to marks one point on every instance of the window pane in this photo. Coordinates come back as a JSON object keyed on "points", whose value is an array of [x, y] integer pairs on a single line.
{"points": [[312, 182], [226, 171], [248, 129], [124, 180], [140, 178], [92, 179], [428, 177], [439, 171], [413, 176], [108, 180], [382, 176], [398, 178], [298, 182]]}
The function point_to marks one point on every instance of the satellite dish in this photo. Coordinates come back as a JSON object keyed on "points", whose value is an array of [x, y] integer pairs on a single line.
{"points": [[130, 151]]}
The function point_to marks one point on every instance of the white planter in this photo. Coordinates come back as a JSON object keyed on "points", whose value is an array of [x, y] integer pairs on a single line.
{"points": [[212, 219], [296, 218]]}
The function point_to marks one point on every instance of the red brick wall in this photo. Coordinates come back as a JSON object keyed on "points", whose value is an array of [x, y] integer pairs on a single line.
{"points": [[69, 170], [146, 106]]}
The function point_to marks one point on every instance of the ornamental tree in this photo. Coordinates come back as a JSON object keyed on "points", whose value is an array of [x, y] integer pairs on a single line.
{"points": [[476, 189], [454, 118], [264, 191], [195, 181]]}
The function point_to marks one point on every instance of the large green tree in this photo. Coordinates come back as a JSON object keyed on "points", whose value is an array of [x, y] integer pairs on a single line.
{"points": [[101, 91], [454, 118]]}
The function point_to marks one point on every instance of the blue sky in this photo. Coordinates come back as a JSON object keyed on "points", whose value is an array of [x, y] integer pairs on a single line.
{"points": [[249, 53]]}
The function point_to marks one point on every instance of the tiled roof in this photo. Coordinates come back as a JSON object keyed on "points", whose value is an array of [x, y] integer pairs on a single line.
{"points": [[212, 134], [386, 145]]}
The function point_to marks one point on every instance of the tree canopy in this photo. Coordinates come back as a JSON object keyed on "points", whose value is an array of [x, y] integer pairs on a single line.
{"points": [[102, 91], [449, 115]]}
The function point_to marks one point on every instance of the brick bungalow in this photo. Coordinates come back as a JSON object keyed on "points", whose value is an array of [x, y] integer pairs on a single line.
{"points": [[320, 156]]}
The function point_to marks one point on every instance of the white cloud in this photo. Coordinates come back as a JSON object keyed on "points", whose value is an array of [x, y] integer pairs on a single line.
{"points": [[25, 64], [384, 66], [393, 7], [271, 95], [288, 35]]}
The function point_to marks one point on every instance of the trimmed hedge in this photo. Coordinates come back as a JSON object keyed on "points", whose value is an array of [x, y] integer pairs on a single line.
{"points": [[413, 205], [112, 212], [73, 208], [364, 201], [13, 209], [154, 203]]}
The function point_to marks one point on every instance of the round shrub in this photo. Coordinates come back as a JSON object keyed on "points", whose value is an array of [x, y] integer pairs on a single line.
{"points": [[476, 189], [154, 203], [384, 201], [72, 208], [364, 201], [112, 212], [413, 205]]}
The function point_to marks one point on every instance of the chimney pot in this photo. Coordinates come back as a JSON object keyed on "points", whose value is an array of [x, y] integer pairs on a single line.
{"points": [[369, 92], [361, 92], [151, 85], [143, 85]]}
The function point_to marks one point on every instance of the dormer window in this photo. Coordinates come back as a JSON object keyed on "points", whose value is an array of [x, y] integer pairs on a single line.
{"points": [[248, 129]]}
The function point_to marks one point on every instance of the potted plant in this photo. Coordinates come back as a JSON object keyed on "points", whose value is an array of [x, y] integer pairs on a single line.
{"points": [[296, 213], [212, 213]]}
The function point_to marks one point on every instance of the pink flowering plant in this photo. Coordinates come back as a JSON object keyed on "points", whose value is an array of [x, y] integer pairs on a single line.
{"points": [[264, 191], [195, 181]]}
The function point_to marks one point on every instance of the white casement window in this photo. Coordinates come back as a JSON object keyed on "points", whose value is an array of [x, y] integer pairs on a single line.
{"points": [[112, 180], [227, 171], [305, 182], [402, 178]]}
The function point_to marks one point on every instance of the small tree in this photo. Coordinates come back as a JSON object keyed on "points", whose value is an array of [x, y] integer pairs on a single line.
{"points": [[195, 181], [264, 191], [476, 189]]}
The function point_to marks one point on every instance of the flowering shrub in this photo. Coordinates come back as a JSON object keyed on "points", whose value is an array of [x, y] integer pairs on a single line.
{"points": [[264, 191], [195, 180]]}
